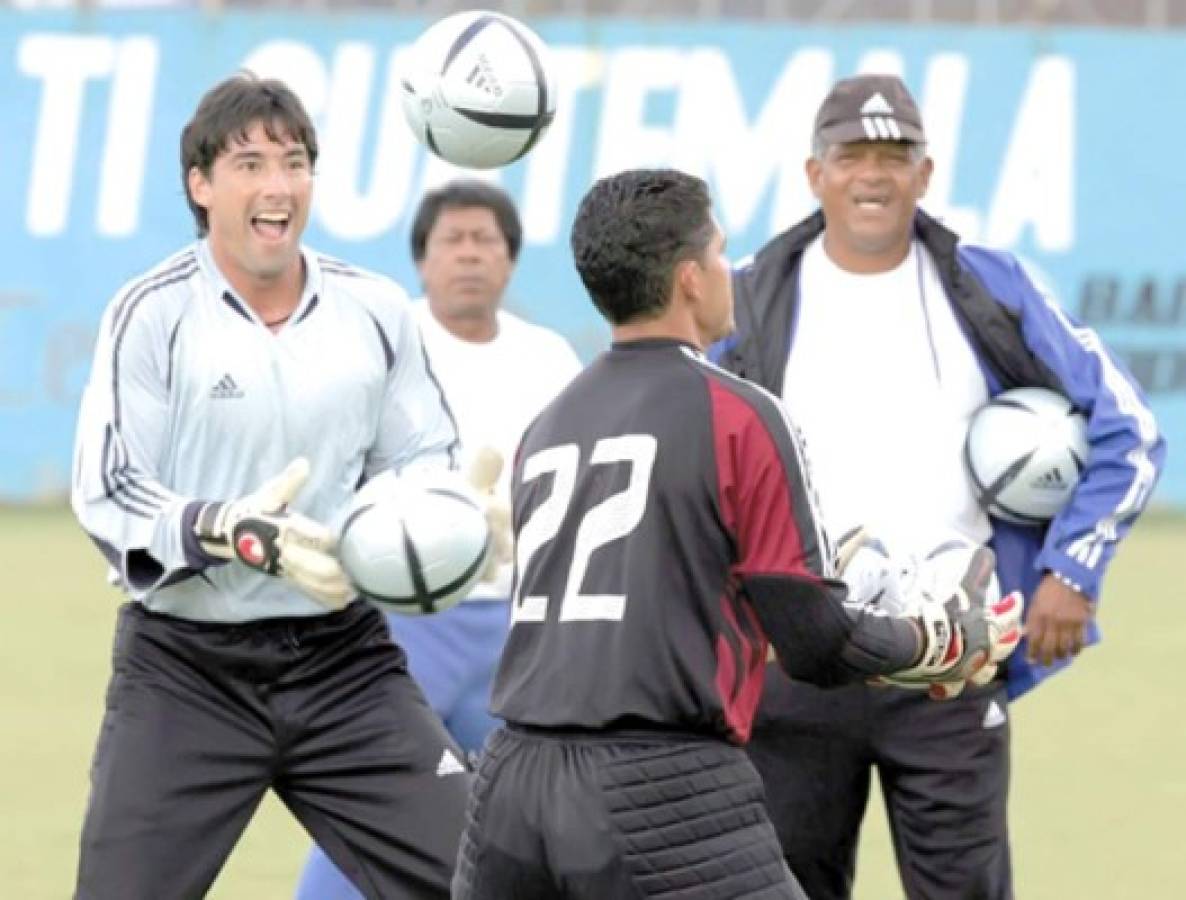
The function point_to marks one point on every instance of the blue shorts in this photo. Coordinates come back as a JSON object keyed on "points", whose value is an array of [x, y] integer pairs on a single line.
{"points": [[453, 656]]}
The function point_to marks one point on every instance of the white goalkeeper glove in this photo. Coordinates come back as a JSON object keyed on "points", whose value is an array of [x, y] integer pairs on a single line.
{"points": [[1005, 626], [260, 532], [483, 476], [964, 636]]}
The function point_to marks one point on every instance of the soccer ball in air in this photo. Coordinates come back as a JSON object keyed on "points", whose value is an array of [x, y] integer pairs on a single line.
{"points": [[1024, 452], [414, 545], [479, 89]]}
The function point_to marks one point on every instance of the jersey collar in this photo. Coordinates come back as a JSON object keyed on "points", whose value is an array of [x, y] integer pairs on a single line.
{"points": [[655, 343], [225, 293]]}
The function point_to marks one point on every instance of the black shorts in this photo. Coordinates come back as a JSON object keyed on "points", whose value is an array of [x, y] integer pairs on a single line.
{"points": [[617, 814], [203, 718]]}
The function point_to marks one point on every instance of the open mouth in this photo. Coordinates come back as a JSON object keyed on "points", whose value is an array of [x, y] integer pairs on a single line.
{"points": [[871, 203], [271, 226]]}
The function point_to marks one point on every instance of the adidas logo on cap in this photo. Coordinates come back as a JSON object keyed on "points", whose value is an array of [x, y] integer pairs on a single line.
{"points": [[876, 105]]}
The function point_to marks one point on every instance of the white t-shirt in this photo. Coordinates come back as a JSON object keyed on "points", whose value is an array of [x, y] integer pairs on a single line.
{"points": [[882, 382], [496, 389]]}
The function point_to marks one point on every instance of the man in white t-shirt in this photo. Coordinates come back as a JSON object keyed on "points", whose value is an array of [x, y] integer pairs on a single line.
{"points": [[497, 372], [883, 334]]}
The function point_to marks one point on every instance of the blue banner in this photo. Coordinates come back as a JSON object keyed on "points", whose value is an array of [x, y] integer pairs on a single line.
{"points": [[1060, 145]]}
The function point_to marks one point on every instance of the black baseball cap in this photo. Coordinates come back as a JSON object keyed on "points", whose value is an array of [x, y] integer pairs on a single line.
{"points": [[869, 108]]}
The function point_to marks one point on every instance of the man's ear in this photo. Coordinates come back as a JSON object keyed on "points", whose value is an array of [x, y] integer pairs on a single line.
{"points": [[687, 279], [925, 168], [814, 170], [199, 187]]}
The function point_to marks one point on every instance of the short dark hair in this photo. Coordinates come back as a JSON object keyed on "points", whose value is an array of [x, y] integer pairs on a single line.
{"points": [[631, 231], [466, 193], [226, 112]]}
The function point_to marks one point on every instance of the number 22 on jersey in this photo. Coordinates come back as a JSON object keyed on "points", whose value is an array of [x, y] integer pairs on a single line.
{"points": [[610, 520]]}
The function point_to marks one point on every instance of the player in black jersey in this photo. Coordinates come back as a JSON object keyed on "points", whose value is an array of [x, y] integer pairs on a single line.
{"points": [[665, 535]]}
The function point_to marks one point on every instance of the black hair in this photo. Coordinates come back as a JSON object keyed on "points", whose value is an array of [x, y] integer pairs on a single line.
{"points": [[226, 112], [631, 231], [467, 193]]}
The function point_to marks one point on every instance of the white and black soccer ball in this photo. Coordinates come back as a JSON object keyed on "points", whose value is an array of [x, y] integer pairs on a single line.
{"points": [[1024, 452], [414, 545], [896, 580], [872, 574], [938, 570], [479, 89]]}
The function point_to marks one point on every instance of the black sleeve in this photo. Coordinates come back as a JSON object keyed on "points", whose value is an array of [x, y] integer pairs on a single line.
{"points": [[820, 639]]}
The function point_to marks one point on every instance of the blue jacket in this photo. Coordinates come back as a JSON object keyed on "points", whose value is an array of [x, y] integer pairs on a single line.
{"points": [[1021, 339]]}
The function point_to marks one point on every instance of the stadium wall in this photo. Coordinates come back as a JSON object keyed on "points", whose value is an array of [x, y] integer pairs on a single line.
{"points": [[1058, 144]]}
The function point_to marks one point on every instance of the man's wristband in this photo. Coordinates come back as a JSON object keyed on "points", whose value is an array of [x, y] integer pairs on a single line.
{"points": [[1077, 588]]}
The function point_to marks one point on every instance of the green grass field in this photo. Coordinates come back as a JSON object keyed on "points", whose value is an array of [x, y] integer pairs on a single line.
{"points": [[1099, 788]]}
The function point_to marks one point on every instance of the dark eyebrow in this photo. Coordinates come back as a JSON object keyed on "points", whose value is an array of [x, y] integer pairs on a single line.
{"points": [[242, 152]]}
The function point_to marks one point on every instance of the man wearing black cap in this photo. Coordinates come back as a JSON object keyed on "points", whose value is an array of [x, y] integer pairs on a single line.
{"points": [[883, 334]]}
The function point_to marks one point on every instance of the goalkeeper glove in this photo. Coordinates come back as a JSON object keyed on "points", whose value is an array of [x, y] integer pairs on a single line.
{"points": [[260, 532], [483, 476], [1005, 626], [1004, 618], [963, 637]]}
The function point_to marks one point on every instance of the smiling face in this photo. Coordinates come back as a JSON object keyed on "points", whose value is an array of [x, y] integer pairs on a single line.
{"points": [[869, 191], [256, 197]]}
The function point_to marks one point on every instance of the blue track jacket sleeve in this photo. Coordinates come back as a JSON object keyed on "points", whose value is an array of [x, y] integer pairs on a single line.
{"points": [[1126, 450]]}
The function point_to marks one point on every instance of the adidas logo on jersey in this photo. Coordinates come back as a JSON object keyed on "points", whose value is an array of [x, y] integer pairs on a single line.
{"points": [[1051, 480], [449, 764], [226, 389]]}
